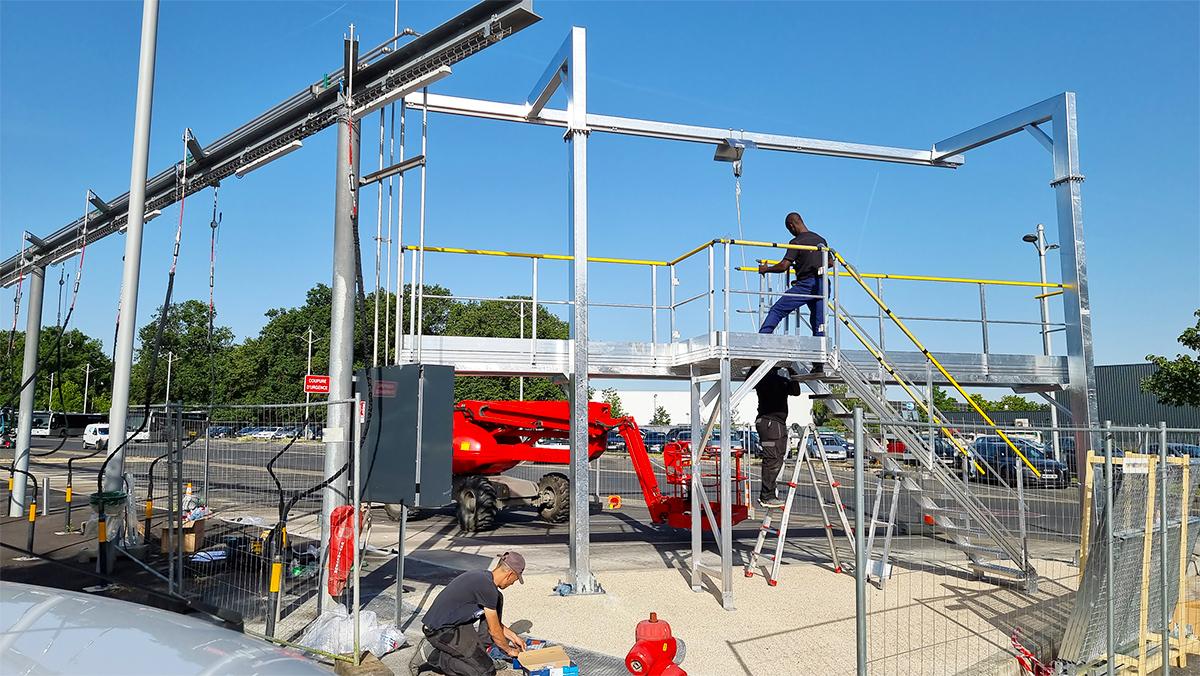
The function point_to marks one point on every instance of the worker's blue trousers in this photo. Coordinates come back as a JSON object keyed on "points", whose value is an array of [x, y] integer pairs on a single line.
{"points": [[803, 292]]}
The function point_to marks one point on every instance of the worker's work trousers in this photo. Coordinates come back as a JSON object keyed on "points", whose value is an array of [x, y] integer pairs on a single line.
{"points": [[806, 291], [461, 651], [772, 434]]}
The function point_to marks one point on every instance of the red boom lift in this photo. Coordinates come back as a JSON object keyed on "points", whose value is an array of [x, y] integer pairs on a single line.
{"points": [[491, 437]]}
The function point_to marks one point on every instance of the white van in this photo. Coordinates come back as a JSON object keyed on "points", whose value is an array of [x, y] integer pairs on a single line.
{"points": [[95, 435]]}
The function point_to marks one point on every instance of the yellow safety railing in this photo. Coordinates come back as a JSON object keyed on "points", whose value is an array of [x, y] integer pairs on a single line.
{"points": [[847, 271], [934, 361]]}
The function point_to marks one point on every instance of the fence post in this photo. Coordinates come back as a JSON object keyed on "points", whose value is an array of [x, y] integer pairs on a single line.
{"points": [[45, 495], [1165, 647], [357, 524], [860, 552], [1110, 630], [712, 298], [674, 283]]}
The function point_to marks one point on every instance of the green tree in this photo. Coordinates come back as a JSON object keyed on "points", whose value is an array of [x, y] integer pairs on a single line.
{"points": [[660, 417], [503, 319], [611, 397], [1177, 381], [78, 350], [1015, 402], [200, 372]]}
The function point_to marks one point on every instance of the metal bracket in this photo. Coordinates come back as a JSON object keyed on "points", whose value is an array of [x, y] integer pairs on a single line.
{"points": [[1059, 181]]}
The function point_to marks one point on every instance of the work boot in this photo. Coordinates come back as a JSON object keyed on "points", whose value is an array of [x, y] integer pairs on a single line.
{"points": [[769, 500]]}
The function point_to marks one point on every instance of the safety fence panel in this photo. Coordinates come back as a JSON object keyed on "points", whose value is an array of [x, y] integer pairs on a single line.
{"points": [[943, 600], [246, 480]]}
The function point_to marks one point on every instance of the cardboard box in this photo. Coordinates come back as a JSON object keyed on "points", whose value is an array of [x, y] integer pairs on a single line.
{"points": [[552, 661], [193, 537]]}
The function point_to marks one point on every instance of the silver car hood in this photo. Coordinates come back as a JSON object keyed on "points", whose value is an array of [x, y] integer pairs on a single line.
{"points": [[51, 631]]}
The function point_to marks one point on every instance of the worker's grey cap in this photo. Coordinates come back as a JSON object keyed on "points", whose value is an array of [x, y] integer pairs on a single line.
{"points": [[515, 563]]}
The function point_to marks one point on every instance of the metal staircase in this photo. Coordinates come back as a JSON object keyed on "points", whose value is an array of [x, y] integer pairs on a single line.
{"points": [[992, 549]]}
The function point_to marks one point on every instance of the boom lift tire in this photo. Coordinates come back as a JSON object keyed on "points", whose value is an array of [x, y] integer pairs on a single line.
{"points": [[476, 504], [554, 495]]}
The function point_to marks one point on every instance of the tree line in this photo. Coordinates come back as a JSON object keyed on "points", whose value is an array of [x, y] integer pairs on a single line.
{"points": [[211, 367]]}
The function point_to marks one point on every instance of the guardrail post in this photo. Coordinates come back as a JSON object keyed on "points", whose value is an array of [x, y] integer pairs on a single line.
{"points": [[1165, 647], [728, 292], [983, 321], [674, 283], [653, 310], [533, 331], [712, 298], [1109, 628], [860, 552]]}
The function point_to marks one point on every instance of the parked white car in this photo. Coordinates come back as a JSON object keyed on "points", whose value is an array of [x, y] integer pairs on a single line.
{"points": [[833, 444], [95, 435], [265, 433]]}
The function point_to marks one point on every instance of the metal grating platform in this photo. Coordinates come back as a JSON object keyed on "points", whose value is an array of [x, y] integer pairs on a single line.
{"points": [[702, 355]]}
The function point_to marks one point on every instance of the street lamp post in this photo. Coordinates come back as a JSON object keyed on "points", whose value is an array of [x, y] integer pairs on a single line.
{"points": [[87, 376], [1038, 240], [170, 358]]}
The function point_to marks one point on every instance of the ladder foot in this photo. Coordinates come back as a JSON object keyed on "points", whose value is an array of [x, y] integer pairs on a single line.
{"points": [[773, 583], [749, 574], [837, 569]]}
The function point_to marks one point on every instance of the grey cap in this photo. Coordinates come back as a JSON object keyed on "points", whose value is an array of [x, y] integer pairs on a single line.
{"points": [[516, 563]]}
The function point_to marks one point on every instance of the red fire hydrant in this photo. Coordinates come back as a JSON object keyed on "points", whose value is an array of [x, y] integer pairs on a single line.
{"points": [[656, 652]]}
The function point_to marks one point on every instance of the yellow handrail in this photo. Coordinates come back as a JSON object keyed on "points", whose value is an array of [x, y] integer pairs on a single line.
{"points": [[933, 360], [927, 278], [1047, 295], [903, 384]]}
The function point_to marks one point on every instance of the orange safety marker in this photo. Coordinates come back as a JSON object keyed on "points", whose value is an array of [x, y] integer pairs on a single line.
{"points": [[614, 502]]}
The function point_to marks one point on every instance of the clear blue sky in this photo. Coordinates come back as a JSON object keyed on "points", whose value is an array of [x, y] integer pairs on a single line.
{"points": [[897, 74]]}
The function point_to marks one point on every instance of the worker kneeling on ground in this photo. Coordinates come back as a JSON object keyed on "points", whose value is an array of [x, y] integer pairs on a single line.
{"points": [[453, 644]]}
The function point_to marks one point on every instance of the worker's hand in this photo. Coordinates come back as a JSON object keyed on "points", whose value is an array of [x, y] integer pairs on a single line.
{"points": [[762, 268], [517, 643]]}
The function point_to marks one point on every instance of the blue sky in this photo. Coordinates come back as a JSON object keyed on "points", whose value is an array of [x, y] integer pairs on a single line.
{"points": [[896, 74]]}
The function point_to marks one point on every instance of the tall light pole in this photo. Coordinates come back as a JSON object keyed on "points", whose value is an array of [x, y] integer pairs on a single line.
{"points": [[308, 371], [1038, 240], [87, 376]]}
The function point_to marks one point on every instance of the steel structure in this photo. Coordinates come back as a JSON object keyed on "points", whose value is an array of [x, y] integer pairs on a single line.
{"points": [[710, 359]]}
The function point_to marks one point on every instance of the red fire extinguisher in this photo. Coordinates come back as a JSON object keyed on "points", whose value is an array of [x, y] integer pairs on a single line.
{"points": [[341, 548]]}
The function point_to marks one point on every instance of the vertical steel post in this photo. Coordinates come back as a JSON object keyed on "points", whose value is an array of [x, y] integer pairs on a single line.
{"points": [[419, 261], [726, 487], [1077, 313], [674, 283], [694, 483], [882, 345], [1021, 519], [726, 296], [33, 335], [983, 322], [1165, 647], [400, 245], [356, 505], [580, 572], [341, 325], [87, 378], [533, 331], [860, 552], [712, 297], [45, 498], [653, 309], [835, 307], [1110, 613], [127, 315]]}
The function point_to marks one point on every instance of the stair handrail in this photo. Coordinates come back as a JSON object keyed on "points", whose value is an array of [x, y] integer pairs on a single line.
{"points": [[933, 360]]}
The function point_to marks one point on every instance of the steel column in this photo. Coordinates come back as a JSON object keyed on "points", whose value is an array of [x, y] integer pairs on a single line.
{"points": [[693, 492], [1077, 311], [580, 567], [127, 316], [860, 552], [1047, 342], [33, 335], [341, 325], [726, 487]]}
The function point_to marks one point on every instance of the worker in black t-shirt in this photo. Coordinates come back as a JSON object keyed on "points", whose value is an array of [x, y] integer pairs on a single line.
{"points": [[809, 285], [453, 645], [773, 392]]}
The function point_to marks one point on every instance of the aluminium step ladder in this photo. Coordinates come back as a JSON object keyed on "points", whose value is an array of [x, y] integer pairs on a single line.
{"points": [[799, 460]]}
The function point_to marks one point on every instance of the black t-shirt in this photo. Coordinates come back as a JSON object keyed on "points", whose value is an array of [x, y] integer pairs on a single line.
{"points": [[806, 263], [463, 600], [773, 391]]}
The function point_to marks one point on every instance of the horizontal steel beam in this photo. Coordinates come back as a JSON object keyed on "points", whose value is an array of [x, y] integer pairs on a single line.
{"points": [[305, 113], [611, 124], [999, 128]]}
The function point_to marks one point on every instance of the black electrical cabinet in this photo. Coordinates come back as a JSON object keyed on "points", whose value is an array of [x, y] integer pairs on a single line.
{"points": [[406, 446]]}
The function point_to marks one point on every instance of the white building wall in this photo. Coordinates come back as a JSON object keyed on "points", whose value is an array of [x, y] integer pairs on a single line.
{"points": [[640, 404]]}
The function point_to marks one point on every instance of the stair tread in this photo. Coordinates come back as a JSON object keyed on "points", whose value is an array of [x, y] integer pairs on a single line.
{"points": [[997, 569]]}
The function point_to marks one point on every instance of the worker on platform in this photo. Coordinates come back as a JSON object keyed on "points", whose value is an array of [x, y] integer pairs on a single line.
{"points": [[773, 392], [809, 285], [454, 645]]}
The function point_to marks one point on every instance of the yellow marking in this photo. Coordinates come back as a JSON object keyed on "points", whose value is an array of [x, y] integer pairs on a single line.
{"points": [[936, 364], [32, 512], [102, 531], [10, 483], [276, 575], [693, 252], [68, 493], [149, 508], [1047, 295], [928, 278]]}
